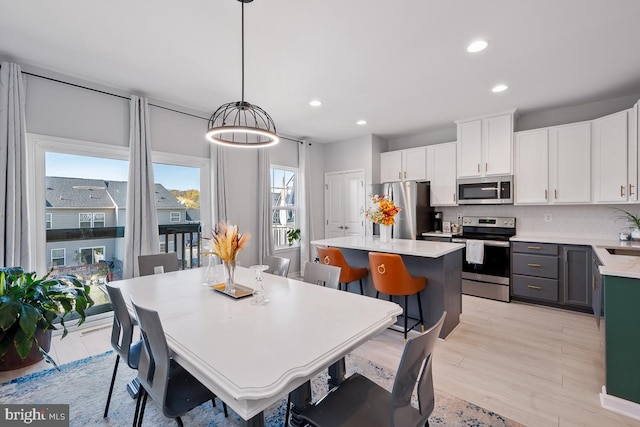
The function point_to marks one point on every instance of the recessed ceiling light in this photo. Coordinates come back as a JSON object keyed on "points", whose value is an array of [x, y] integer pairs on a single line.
{"points": [[315, 103], [361, 122], [499, 88], [477, 46]]}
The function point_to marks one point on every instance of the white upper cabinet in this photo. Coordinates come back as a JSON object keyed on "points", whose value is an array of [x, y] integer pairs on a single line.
{"points": [[485, 146], [404, 165], [553, 165], [441, 172], [532, 167], [615, 159], [570, 163]]}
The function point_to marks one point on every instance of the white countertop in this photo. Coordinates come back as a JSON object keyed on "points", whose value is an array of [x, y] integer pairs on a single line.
{"points": [[421, 248], [612, 265]]}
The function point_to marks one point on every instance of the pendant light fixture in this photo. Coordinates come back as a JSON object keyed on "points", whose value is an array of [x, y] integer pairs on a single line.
{"points": [[241, 124]]}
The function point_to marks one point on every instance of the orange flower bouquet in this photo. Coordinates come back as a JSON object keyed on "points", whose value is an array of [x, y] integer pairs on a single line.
{"points": [[384, 210], [225, 243]]}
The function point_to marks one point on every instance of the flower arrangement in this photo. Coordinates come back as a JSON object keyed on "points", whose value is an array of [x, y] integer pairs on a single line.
{"points": [[226, 242], [384, 210]]}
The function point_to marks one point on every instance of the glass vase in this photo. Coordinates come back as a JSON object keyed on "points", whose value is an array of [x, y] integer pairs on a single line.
{"points": [[210, 273], [229, 273]]}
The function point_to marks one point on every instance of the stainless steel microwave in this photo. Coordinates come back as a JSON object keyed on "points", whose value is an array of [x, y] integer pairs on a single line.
{"points": [[493, 190]]}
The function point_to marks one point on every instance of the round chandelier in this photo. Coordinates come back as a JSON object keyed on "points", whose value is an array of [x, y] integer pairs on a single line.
{"points": [[239, 123]]}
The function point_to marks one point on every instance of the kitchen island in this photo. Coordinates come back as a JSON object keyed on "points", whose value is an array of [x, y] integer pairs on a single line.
{"points": [[439, 262]]}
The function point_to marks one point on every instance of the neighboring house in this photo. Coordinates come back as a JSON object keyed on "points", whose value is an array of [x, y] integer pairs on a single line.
{"points": [[74, 204]]}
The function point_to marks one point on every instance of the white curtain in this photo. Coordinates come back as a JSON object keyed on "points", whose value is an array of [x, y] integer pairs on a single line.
{"points": [[265, 241], [221, 185], [14, 210], [141, 229], [304, 198]]}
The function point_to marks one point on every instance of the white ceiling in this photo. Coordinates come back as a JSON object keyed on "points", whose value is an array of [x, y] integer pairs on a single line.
{"points": [[399, 64]]}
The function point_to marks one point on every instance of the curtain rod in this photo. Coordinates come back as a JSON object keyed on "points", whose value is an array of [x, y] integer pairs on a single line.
{"points": [[124, 97]]}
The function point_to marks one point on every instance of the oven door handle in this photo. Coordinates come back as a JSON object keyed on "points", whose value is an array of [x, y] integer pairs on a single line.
{"points": [[495, 243]]}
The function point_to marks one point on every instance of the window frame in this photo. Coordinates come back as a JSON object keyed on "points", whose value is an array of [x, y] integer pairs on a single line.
{"points": [[295, 208], [104, 219], [104, 252], [48, 220], [90, 220], [64, 256], [171, 215]]}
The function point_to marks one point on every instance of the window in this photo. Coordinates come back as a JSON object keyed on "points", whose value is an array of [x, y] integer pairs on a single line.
{"points": [[174, 217], [85, 220], [91, 255], [57, 257], [283, 204], [98, 220], [49, 221]]}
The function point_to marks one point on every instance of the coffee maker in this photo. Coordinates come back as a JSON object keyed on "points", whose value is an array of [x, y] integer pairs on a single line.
{"points": [[437, 221]]}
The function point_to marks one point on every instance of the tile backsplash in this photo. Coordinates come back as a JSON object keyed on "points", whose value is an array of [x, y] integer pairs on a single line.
{"points": [[597, 221]]}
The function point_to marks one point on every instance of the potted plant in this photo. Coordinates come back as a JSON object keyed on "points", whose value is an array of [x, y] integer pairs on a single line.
{"points": [[293, 235], [634, 222], [29, 306]]}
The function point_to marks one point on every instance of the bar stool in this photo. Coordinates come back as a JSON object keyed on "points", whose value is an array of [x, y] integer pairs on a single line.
{"points": [[334, 256], [390, 276]]}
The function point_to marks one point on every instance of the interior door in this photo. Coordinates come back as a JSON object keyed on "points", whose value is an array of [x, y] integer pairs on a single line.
{"points": [[344, 204]]}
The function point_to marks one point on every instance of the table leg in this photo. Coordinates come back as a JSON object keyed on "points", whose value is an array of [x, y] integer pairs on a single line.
{"points": [[300, 399], [337, 373], [256, 421]]}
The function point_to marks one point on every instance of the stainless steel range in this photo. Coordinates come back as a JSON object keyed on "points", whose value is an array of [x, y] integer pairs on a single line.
{"points": [[490, 278]]}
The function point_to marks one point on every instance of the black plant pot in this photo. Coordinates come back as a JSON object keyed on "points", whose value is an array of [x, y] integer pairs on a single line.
{"points": [[11, 360]]}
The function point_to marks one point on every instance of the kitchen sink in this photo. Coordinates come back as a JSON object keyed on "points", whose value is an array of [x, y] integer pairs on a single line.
{"points": [[624, 251]]}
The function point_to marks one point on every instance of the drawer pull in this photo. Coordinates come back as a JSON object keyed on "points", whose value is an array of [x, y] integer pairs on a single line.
{"points": [[534, 265], [535, 248], [537, 288]]}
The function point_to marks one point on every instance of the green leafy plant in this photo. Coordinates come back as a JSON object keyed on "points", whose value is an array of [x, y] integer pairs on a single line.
{"points": [[28, 303], [293, 235], [633, 220]]}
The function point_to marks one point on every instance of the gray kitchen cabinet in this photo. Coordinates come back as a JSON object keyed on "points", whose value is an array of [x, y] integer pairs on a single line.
{"points": [[577, 280], [596, 289]]}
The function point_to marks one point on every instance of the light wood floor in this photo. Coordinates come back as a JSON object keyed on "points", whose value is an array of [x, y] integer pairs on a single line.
{"points": [[536, 365]]}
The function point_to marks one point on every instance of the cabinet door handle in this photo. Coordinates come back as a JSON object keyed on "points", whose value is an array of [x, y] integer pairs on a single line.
{"points": [[593, 282], [534, 265], [622, 191], [555, 194], [405, 174], [454, 197], [537, 288], [545, 195], [400, 175], [535, 248], [486, 167], [631, 190]]}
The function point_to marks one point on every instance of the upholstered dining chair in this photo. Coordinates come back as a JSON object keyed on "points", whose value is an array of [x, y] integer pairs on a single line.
{"points": [[157, 263], [277, 265], [320, 274], [121, 338], [174, 389], [348, 274], [358, 401], [390, 276]]}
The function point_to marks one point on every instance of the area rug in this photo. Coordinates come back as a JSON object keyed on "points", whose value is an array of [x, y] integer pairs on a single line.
{"points": [[84, 385]]}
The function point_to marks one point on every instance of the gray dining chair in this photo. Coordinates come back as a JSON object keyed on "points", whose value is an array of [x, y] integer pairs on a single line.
{"points": [[121, 339], [321, 274], [277, 265], [157, 263], [358, 401], [174, 389]]}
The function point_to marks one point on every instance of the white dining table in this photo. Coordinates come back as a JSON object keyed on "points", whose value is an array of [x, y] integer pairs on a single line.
{"points": [[251, 356]]}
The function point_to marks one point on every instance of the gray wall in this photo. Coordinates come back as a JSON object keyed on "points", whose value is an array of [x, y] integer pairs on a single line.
{"points": [[70, 218], [350, 154]]}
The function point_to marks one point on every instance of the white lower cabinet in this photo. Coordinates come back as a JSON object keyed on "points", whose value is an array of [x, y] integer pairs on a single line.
{"points": [[553, 165], [441, 172]]}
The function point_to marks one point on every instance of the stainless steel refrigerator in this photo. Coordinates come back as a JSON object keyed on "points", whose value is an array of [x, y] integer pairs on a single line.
{"points": [[416, 216]]}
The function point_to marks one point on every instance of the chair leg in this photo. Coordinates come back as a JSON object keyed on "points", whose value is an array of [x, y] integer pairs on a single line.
{"points": [[113, 380], [224, 408], [142, 408], [138, 400], [377, 294], [179, 422], [420, 310], [406, 316], [286, 416], [361, 288]]}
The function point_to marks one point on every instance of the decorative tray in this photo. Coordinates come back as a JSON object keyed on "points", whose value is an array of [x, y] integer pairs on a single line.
{"points": [[240, 291]]}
